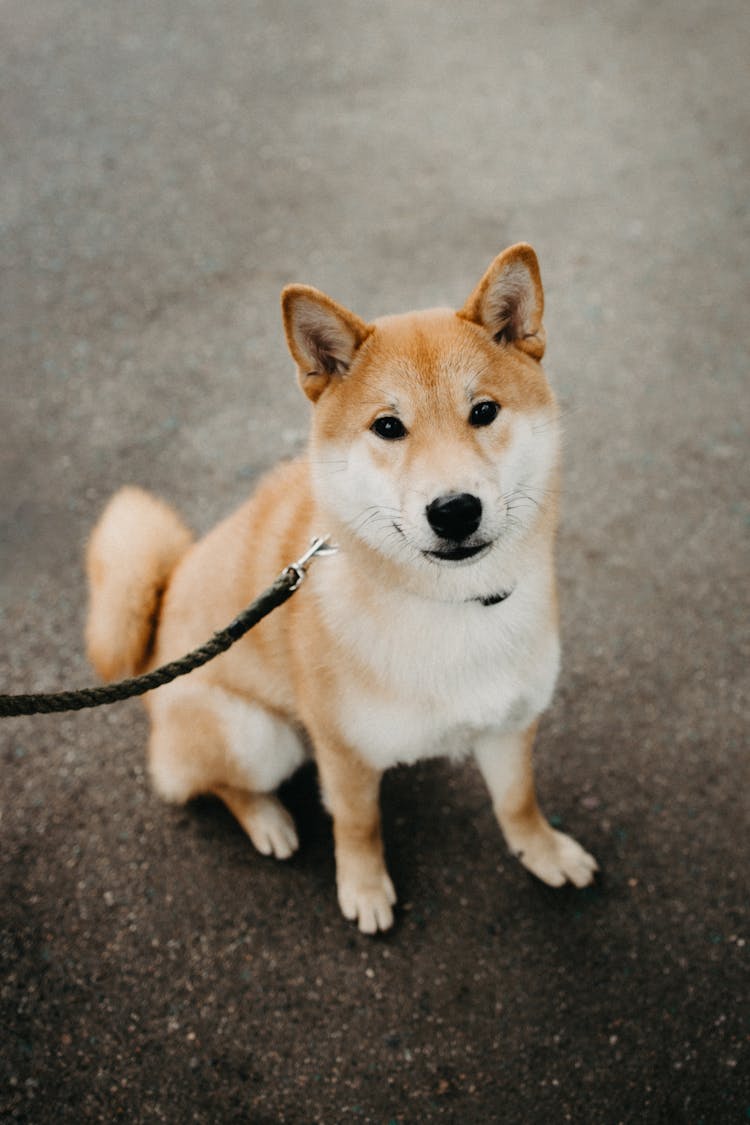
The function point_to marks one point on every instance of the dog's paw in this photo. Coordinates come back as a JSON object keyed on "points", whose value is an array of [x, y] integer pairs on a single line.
{"points": [[556, 859], [368, 902], [270, 827]]}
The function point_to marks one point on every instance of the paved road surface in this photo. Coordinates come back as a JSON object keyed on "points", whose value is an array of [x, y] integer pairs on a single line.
{"points": [[167, 165]]}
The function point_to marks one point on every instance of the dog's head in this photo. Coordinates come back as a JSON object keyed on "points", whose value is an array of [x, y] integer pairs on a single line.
{"points": [[434, 436]]}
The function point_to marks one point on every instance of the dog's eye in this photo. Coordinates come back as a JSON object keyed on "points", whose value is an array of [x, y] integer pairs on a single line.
{"points": [[389, 428], [484, 413]]}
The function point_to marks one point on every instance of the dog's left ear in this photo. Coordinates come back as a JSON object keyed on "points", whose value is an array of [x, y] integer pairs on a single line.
{"points": [[322, 335], [509, 301]]}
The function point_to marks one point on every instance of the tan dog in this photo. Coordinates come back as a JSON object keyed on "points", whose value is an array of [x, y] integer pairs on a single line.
{"points": [[433, 464]]}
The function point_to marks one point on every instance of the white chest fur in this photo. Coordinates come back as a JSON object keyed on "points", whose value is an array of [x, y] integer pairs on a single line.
{"points": [[429, 676]]}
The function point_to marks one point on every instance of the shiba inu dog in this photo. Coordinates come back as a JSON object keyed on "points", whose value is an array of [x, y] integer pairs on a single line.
{"points": [[433, 465]]}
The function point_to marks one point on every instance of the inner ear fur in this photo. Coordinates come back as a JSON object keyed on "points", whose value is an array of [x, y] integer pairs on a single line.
{"points": [[322, 335], [509, 301]]}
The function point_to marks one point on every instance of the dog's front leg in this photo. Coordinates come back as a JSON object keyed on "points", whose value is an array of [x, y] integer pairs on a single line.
{"points": [[505, 762], [351, 792]]}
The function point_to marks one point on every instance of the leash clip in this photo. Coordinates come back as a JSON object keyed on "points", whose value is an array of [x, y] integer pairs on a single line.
{"points": [[318, 548]]}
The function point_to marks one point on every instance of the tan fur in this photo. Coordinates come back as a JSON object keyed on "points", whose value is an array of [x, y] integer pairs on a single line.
{"points": [[334, 661], [136, 545]]}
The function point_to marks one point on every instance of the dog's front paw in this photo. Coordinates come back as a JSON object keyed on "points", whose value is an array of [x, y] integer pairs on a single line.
{"points": [[369, 902], [556, 858]]}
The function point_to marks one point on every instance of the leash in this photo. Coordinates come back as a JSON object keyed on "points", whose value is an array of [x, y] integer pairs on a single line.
{"points": [[282, 589]]}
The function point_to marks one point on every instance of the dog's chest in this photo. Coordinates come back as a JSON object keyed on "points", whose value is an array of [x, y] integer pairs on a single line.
{"points": [[425, 679]]}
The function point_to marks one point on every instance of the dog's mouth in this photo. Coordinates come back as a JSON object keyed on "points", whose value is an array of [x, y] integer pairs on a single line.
{"points": [[458, 553]]}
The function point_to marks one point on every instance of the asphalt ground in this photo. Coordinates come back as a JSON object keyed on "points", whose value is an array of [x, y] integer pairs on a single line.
{"points": [[166, 167]]}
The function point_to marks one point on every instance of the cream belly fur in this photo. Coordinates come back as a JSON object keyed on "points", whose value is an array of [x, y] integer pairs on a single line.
{"points": [[433, 464]]}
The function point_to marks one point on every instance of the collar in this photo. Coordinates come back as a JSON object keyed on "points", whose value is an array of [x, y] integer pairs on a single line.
{"points": [[494, 599]]}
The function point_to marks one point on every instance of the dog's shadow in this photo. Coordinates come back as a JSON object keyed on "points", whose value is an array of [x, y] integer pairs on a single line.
{"points": [[434, 815], [412, 801]]}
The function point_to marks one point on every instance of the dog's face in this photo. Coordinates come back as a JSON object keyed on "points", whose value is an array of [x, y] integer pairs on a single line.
{"points": [[434, 433]]}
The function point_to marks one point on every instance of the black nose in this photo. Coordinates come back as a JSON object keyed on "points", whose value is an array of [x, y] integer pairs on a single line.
{"points": [[455, 516]]}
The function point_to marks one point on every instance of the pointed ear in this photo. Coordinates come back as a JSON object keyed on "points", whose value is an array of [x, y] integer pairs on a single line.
{"points": [[323, 337], [509, 301]]}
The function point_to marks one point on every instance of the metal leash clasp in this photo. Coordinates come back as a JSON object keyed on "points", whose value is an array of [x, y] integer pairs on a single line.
{"points": [[319, 548]]}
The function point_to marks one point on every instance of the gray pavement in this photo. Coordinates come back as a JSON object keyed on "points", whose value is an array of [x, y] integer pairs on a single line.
{"points": [[166, 167]]}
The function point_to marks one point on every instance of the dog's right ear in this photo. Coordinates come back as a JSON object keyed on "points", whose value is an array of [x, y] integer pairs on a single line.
{"points": [[323, 336]]}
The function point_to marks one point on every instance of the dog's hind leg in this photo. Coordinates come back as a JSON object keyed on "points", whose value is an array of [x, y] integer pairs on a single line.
{"points": [[264, 818], [206, 740], [505, 762]]}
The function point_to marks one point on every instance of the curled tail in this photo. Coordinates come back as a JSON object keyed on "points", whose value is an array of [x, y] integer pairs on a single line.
{"points": [[131, 554]]}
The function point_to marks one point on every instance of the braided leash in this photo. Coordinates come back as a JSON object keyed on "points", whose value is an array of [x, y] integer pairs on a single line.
{"points": [[282, 589]]}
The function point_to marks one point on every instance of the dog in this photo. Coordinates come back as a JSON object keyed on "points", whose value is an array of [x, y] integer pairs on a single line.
{"points": [[433, 463]]}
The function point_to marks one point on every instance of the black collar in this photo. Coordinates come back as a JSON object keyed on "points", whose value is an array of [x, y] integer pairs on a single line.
{"points": [[494, 599]]}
